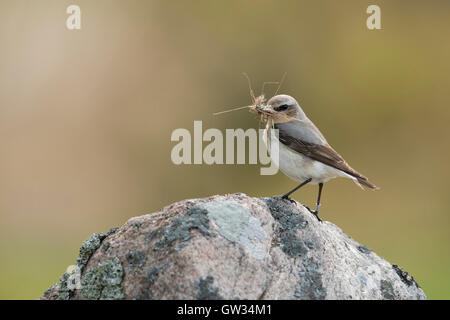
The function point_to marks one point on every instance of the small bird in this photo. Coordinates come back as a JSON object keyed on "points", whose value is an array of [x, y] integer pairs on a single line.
{"points": [[304, 153]]}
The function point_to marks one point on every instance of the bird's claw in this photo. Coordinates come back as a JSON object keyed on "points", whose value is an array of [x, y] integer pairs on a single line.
{"points": [[315, 212], [285, 197]]}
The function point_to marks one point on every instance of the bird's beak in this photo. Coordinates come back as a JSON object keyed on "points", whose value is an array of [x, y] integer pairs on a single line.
{"points": [[267, 110]]}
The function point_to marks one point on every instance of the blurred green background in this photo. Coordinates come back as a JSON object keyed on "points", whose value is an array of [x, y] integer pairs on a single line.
{"points": [[86, 118]]}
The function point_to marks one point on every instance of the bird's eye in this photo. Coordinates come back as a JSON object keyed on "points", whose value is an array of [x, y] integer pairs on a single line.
{"points": [[282, 108]]}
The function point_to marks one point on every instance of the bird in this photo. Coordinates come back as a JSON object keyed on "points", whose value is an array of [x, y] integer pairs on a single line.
{"points": [[304, 154]]}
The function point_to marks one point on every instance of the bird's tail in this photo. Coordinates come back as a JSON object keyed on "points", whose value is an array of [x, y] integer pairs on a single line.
{"points": [[363, 181]]}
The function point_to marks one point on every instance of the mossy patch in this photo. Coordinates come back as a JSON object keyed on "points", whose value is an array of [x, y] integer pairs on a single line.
{"points": [[154, 272], [136, 258], [310, 287], [364, 249], [387, 291], [90, 245], [288, 215], [179, 231], [103, 282], [86, 250], [404, 276], [290, 220], [205, 289], [292, 245], [64, 293], [150, 278]]}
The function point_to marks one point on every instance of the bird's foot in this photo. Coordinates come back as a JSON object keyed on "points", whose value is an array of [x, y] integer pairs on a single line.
{"points": [[286, 197], [315, 212]]}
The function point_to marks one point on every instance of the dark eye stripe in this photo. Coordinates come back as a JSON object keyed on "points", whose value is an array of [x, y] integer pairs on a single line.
{"points": [[281, 108]]}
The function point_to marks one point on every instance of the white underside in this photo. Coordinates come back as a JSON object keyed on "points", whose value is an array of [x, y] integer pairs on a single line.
{"points": [[300, 168]]}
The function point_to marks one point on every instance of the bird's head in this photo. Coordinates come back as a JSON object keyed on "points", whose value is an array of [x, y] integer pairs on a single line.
{"points": [[283, 108]]}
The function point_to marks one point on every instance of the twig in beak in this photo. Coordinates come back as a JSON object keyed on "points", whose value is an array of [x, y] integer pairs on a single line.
{"points": [[235, 109]]}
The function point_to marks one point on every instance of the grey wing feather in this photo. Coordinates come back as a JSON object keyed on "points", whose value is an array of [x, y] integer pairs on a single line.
{"points": [[303, 130]]}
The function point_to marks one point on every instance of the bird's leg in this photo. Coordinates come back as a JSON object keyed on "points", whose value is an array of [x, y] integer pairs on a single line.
{"points": [[286, 196], [316, 211]]}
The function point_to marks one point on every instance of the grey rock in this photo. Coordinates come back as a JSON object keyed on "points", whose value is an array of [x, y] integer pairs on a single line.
{"points": [[232, 247]]}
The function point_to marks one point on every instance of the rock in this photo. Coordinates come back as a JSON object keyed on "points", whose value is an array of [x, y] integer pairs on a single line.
{"points": [[231, 247]]}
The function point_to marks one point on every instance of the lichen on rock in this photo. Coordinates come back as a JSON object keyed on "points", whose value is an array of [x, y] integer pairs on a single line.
{"points": [[88, 248], [387, 290], [90, 245], [310, 285], [64, 292], [205, 289], [406, 278], [136, 258], [236, 224], [179, 230], [103, 282], [289, 222]]}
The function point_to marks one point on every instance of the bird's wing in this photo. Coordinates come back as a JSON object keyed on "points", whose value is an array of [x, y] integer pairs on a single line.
{"points": [[320, 152], [303, 130]]}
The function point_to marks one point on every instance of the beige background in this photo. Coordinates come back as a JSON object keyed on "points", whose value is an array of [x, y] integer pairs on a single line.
{"points": [[86, 118]]}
